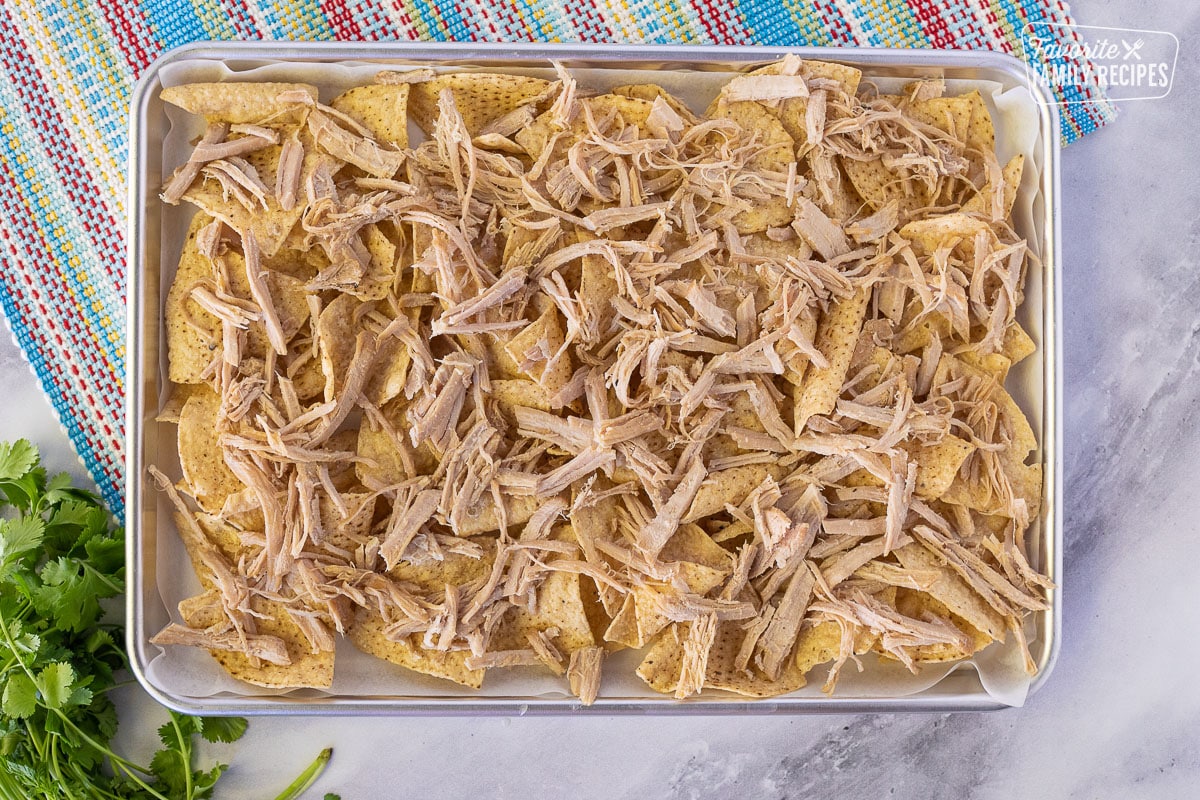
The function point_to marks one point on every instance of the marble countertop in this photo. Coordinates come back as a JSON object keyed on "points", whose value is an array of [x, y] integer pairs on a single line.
{"points": [[1120, 716]]}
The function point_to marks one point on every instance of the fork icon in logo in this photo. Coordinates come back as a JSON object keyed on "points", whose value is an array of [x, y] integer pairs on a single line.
{"points": [[1131, 50]]}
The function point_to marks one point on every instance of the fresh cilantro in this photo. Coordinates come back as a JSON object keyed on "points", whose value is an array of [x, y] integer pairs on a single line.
{"points": [[60, 557]]}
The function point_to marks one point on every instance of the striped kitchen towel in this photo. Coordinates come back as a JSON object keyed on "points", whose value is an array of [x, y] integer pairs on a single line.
{"points": [[64, 100]]}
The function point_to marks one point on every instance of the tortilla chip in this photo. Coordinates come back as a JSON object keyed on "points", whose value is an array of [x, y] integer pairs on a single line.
{"points": [[381, 271], [938, 464], [518, 509], [691, 545], [546, 334], [1018, 345], [991, 363], [981, 203], [336, 337], [661, 667], [456, 569], [383, 463], [346, 532], [953, 591], [559, 606], [208, 477], [981, 132], [818, 643], [239, 103], [481, 97], [510, 394], [177, 395], [390, 373], [935, 231], [778, 150], [367, 633], [918, 605], [726, 486], [272, 225], [949, 114], [380, 108], [649, 92], [878, 185], [837, 334], [306, 670], [193, 335]]}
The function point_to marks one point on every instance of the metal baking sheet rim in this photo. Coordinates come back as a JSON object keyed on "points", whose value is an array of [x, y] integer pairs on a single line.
{"points": [[139, 541]]}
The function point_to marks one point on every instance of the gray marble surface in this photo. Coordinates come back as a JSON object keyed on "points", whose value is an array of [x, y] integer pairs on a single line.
{"points": [[1119, 718]]}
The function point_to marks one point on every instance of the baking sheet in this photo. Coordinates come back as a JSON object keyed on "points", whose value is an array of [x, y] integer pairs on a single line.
{"points": [[192, 673]]}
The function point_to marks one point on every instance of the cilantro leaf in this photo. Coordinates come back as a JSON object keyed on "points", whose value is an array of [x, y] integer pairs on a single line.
{"points": [[55, 683], [222, 729], [70, 593], [16, 459], [18, 537], [20, 696], [172, 769]]}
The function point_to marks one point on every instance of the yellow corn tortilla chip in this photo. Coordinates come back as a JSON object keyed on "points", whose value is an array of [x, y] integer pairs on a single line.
{"points": [[837, 334], [306, 670], [981, 132], [390, 372], [381, 271], [721, 670], [878, 185], [917, 605], [727, 486], [1018, 345], [456, 569], [981, 203], [190, 347], [208, 478], [628, 111], [177, 395], [818, 643], [559, 606], [953, 591], [273, 225], [518, 509], [933, 232], [691, 545], [551, 366], [949, 114], [367, 633], [661, 667], [938, 464], [510, 394], [481, 97], [336, 336], [776, 153], [380, 108], [992, 363], [647, 619], [649, 92], [383, 463], [239, 103], [346, 532], [848, 77]]}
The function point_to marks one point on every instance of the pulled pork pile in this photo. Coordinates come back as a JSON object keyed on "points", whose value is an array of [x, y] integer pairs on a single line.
{"points": [[580, 372]]}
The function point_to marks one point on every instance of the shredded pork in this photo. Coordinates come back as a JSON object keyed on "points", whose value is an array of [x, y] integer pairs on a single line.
{"points": [[738, 374]]}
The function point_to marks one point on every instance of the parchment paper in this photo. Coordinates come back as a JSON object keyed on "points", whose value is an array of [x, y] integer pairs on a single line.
{"points": [[190, 672]]}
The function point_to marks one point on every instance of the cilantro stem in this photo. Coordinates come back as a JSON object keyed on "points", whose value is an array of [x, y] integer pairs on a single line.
{"points": [[185, 752], [308, 777]]}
